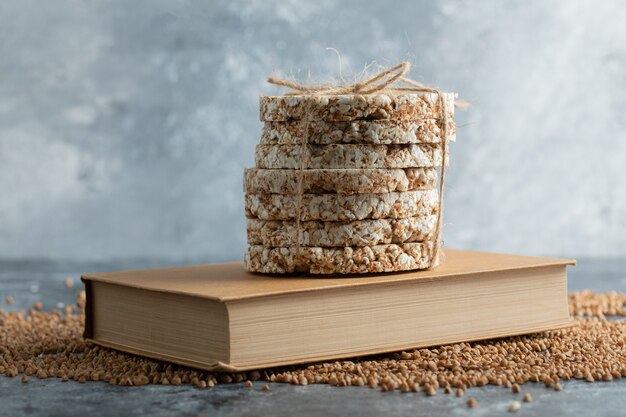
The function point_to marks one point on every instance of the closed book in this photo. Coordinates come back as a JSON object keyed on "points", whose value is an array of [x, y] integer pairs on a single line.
{"points": [[220, 317]]}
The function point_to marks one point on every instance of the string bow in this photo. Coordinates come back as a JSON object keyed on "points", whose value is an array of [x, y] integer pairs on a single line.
{"points": [[384, 80]]}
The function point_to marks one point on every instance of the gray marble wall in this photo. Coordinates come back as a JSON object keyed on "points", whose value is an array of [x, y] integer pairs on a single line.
{"points": [[125, 126]]}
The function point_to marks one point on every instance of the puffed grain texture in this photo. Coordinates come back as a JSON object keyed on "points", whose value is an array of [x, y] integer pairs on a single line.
{"points": [[341, 207], [277, 233], [340, 181], [347, 156], [346, 260], [347, 107], [375, 132]]}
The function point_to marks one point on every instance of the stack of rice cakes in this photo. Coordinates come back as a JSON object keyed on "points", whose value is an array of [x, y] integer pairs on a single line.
{"points": [[362, 179]]}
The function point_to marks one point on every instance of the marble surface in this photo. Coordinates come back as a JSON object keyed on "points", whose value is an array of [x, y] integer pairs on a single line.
{"points": [[28, 281]]}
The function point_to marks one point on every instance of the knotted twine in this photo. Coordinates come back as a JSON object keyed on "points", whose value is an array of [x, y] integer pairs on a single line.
{"points": [[383, 82]]}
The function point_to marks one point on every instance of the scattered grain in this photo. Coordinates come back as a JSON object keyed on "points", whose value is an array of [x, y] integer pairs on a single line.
{"points": [[49, 344], [9, 300], [266, 387], [515, 407], [472, 403], [528, 398], [69, 282], [25, 379], [249, 384]]}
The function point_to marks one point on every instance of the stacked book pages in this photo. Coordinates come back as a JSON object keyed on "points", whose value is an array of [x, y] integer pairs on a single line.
{"points": [[347, 183]]}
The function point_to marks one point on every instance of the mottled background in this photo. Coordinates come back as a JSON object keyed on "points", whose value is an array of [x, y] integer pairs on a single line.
{"points": [[125, 126]]}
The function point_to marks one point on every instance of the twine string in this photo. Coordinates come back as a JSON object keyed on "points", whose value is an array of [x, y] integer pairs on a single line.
{"points": [[382, 82], [437, 254], [379, 82], [300, 186]]}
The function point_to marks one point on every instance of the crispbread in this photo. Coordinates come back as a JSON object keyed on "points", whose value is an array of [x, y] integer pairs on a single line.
{"points": [[276, 233], [347, 156], [383, 132], [355, 106], [341, 181], [341, 207], [342, 260]]}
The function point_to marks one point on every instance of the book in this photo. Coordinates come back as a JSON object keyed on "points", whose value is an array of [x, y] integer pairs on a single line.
{"points": [[220, 317]]}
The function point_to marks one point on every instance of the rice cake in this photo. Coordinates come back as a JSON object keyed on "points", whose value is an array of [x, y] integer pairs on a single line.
{"points": [[347, 156], [277, 233], [340, 181], [383, 132], [337, 108], [342, 260], [341, 207]]}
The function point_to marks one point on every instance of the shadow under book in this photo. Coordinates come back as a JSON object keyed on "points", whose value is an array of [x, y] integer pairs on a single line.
{"points": [[219, 317]]}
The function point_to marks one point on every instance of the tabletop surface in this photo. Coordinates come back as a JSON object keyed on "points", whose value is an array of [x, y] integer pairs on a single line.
{"points": [[29, 281]]}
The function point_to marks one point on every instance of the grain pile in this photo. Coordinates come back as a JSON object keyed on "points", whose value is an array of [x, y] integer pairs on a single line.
{"points": [[49, 344], [346, 181]]}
